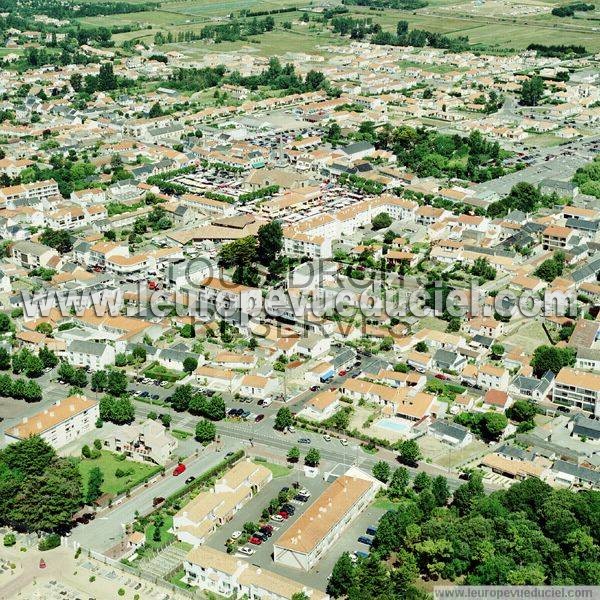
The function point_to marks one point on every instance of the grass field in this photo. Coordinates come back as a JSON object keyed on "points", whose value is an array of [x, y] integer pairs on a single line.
{"points": [[109, 463], [493, 26], [277, 470]]}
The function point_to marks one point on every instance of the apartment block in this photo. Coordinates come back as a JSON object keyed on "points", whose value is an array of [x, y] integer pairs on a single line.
{"points": [[580, 389]]}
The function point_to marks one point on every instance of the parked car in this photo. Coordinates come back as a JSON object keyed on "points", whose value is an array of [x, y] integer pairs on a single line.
{"points": [[301, 498], [291, 429], [247, 551], [371, 530], [261, 536], [304, 441], [255, 540], [179, 469], [267, 528], [284, 515], [327, 437], [363, 539], [236, 535], [314, 388], [441, 376], [259, 418], [158, 500], [343, 372], [289, 508], [343, 441], [277, 518], [190, 479], [361, 554]]}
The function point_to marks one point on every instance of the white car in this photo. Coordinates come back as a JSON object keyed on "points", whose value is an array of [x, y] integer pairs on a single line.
{"points": [[277, 518], [236, 534], [344, 441], [327, 437], [247, 551], [267, 402], [291, 429]]}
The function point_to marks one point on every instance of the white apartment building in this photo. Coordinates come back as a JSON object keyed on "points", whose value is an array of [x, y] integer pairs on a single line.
{"points": [[38, 190], [228, 576], [94, 355], [63, 422], [314, 533], [490, 377], [580, 389], [31, 255]]}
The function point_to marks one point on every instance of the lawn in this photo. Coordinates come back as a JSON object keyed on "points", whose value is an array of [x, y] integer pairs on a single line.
{"points": [[277, 470], [156, 371], [385, 503], [165, 535], [109, 463]]}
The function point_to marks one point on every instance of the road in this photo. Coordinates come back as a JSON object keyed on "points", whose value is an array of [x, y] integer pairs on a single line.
{"points": [[107, 528]]}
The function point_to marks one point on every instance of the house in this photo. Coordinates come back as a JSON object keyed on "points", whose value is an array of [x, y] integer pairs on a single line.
{"points": [[445, 360], [531, 387], [94, 355], [257, 386], [146, 442], [491, 377], [218, 379], [584, 427], [59, 424], [450, 432], [497, 400], [322, 406], [315, 532], [555, 237], [573, 475]]}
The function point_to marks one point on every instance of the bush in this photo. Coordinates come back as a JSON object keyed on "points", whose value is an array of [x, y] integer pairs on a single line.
{"points": [[49, 542], [10, 539]]}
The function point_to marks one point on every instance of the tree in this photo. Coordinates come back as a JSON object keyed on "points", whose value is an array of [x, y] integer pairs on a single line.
{"points": [[422, 482], [165, 419], [401, 28], [521, 410], [79, 378], [60, 240], [293, 454], [216, 409], [190, 364], [4, 359], [139, 354], [197, 405], [76, 81], [381, 221], [106, 78], [99, 381], [48, 358], [492, 425], [283, 418], [421, 347], [300, 596], [155, 111], [206, 431], [440, 490], [312, 458], [34, 367], [5, 323], [94, 486], [466, 496], [532, 91], [181, 398], [341, 577], [409, 452], [116, 410], [382, 471], [31, 456], [270, 242], [497, 351], [551, 358], [398, 483]]}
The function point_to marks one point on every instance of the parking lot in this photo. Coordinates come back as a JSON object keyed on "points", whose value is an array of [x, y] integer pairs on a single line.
{"points": [[263, 555]]}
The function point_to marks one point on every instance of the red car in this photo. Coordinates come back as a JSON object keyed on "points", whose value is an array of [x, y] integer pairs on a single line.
{"points": [[255, 540], [314, 388], [283, 514], [179, 469], [267, 528], [441, 376], [259, 418], [342, 372]]}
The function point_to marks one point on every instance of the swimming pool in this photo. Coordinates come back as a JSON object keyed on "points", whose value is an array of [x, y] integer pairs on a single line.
{"points": [[397, 426]]}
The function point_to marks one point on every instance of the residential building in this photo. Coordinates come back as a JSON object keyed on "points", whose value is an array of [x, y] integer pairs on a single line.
{"points": [[580, 389]]}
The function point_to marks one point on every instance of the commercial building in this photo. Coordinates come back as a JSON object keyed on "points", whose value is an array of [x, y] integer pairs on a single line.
{"points": [[60, 424], [308, 539]]}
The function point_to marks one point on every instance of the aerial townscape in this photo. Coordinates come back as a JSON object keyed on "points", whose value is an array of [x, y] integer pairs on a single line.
{"points": [[299, 299]]}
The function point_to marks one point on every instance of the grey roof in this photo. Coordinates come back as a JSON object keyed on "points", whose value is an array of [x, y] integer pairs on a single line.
{"points": [[357, 147], [562, 466], [87, 347], [582, 224], [584, 426], [176, 355], [445, 357], [484, 340], [450, 429], [344, 356], [515, 452], [556, 183], [32, 248], [589, 270]]}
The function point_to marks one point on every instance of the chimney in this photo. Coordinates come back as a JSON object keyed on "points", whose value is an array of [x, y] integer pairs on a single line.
{"points": [[25, 419]]}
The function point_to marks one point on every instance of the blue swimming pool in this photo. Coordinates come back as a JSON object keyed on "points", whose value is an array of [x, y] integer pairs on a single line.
{"points": [[397, 426]]}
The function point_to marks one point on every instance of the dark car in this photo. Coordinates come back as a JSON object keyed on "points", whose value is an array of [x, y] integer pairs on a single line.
{"points": [[301, 498], [259, 418], [261, 536], [442, 376], [289, 508], [363, 539], [314, 388], [158, 500], [304, 441], [232, 412], [190, 479]]}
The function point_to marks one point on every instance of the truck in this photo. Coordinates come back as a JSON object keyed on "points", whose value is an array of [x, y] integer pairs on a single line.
{"points": [[327, 376]]}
